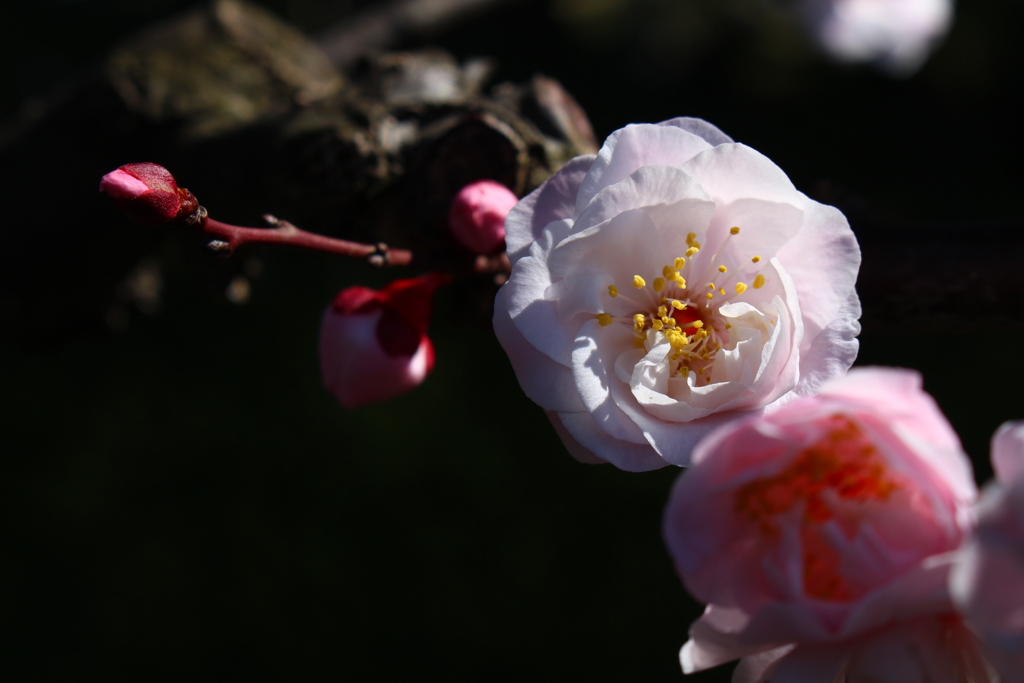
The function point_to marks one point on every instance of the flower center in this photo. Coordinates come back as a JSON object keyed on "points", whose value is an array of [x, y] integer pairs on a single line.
{"points": [[842, 466], [687, 318]]}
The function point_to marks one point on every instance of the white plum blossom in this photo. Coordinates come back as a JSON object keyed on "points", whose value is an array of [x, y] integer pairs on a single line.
{"points": [[898, 35], [672, 282]]}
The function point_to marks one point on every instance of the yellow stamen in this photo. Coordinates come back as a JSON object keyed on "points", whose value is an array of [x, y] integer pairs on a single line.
{"points": [[678, 305], [679, 263], [728, 326], [659, 284], [722, 269], [690, 238], [638, 342], [734, 231], [711, 285], [669, 272], [698, 324], [709, 295], [681, 282], [671, 322], [721, 290], [603, 319], [741, 287], [657, 325], [639, 282], [691, 251], [755, 259], [613, 291], [662, 311], [759, 281]]}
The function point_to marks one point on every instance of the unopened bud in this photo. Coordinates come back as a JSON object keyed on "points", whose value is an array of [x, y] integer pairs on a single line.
{"points": [[374, 344], [148, 194], [477, 215]]}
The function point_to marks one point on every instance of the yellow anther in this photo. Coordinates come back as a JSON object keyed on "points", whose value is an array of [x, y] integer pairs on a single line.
{"points": [[698, 324], [603, 319], [613, 291], [669, 272], [755, 259], [711, 285], [638, 342], [734, 231], [728, 326], [709, 295], [681, 282], [691, 238], [721, 290], [741, 287], [684, 371], [691, 251], [759, 281], [671, 322], [702, 333], [659, 284], [678, 305], [639, 282], [679, 263], [657, 325], [722, 269], [662, 311]]}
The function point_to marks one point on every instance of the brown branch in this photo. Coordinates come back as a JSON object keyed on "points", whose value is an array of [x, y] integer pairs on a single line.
{"points": [[230, 237]]}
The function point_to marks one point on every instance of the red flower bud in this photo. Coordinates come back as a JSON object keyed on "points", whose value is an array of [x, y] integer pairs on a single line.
{"points": [[374, 344], [148, 194], [477, 215]]}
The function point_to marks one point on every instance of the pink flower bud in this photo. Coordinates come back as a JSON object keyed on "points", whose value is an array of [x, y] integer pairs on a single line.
{"points": [[477, 215], [374, 344], [147, 193]]}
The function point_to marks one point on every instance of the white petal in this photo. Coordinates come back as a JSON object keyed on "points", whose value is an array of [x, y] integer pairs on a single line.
{"points": [[636, 145], [673, 200], [593, 361], [575, 448], [627, 456], [699, 127], [823, 261], [537, 317], [732, 172], [544, 381], [554, 200]]}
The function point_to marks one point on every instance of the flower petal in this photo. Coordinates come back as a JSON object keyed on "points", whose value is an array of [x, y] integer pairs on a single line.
{"points": [[699, 127], [636, 145], [554, 200], [627, 456], [546, 382]]}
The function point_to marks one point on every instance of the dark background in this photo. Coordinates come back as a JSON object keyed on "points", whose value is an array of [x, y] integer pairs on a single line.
{"points": [[182, 500]]}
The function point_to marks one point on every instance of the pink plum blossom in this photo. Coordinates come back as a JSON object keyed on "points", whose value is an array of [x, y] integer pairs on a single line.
{"points": [[477, 215], [938, 649], [895, 34], [374, 344], [671, 283], [824, 532], [146, 192], [988, 582]]}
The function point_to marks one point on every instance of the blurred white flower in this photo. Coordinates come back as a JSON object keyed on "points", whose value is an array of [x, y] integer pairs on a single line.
{"points": [[898, 35]]}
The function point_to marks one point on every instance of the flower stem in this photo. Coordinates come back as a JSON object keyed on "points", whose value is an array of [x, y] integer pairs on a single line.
{"points": [[230, 237]]}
